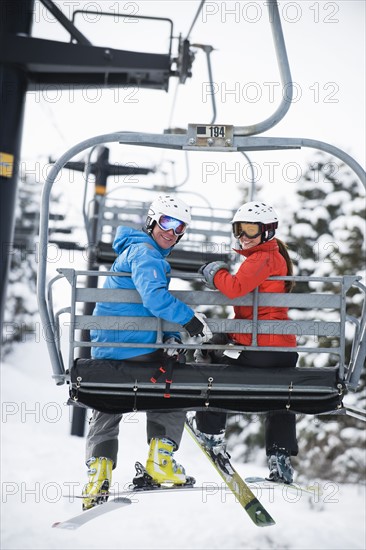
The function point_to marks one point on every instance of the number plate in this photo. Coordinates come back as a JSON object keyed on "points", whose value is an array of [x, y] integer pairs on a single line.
{"points": [[210, 135]]}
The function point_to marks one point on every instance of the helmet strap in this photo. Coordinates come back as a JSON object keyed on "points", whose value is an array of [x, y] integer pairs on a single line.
{"points": [[267, 236], [149, 225], [269, 231]]}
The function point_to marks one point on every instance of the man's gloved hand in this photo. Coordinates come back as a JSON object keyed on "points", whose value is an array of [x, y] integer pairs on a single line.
{"points": [[199, 329], [202, 356], [170, 352], [209, 271]]}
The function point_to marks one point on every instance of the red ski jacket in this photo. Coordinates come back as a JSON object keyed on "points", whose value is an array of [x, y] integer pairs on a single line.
{"points": [[260, 262]]}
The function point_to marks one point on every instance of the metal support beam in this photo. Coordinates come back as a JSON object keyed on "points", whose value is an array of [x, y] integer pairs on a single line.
{"points": [[77, 65], [101, 170]]}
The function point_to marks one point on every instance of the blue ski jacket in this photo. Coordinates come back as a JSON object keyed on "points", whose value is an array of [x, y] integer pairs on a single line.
{"points": [[141, 256]]}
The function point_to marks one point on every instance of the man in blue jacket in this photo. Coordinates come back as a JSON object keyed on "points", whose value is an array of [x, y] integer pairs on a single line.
{"points": [[143, 255]]}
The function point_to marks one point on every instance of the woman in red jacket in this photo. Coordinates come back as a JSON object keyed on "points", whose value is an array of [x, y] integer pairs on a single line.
{"points": [[254, 226]]}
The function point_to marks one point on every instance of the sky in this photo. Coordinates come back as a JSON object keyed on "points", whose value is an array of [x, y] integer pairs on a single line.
{"points": [[325, 44]]}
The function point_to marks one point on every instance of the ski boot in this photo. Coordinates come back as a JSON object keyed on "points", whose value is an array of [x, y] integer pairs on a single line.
{"points": [[100, 478], [212, 442], [280, 469], [161, 466]]}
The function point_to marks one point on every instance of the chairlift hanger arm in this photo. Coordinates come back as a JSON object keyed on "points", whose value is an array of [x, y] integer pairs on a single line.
{"points": [[285, 74], [186, 60]]}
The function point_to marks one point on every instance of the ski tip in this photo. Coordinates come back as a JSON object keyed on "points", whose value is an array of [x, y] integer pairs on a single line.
{"points": [[254, 479], [263, 519], [121, 500], [64, 525], [258, 514]]}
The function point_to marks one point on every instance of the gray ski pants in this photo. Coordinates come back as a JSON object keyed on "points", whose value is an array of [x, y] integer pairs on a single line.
{"points": [[102, 439]]}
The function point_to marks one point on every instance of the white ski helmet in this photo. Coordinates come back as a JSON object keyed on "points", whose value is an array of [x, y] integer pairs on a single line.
{"points": [[257, 212], [167, 205]]}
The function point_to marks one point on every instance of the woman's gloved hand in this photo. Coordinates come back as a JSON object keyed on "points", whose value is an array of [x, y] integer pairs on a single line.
{"points": [[209, 271]]}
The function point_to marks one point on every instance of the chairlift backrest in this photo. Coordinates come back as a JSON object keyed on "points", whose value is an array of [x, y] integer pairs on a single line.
{"points": [[208, 224], [208, 238]]}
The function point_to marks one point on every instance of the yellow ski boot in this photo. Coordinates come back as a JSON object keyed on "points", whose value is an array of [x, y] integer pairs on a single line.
{"points": [[100, 479], [161, 465]]}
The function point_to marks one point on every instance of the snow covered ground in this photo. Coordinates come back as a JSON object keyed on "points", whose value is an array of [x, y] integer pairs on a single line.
{"points": [[40, 462]]}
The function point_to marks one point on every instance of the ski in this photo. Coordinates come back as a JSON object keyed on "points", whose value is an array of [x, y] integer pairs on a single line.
{"points": [[132, 493], [142, 483], [255, 510], [263, 483], [98, 510], [118, 500]]}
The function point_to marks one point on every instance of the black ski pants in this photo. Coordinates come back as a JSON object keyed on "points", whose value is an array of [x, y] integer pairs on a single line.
{"points": [[280, 426]]}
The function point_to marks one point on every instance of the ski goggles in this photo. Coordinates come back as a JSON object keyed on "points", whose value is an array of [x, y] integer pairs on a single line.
{"points": [[250, 230], [166, 223]]}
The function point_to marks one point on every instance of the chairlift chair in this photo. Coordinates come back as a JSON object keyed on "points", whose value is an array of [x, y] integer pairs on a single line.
{"points": [[119, 386], [344, 376]]}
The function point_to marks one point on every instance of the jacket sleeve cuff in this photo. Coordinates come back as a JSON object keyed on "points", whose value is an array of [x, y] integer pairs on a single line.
{"points": [[194, 326]]}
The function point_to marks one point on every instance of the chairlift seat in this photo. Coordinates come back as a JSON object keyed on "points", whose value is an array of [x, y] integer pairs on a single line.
{"points": [[113, 386], [117, 386], [328, 321]]}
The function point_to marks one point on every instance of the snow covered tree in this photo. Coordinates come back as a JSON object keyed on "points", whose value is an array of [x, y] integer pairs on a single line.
{"points": [[21, 304], [327, 237], [21, 310], [327, 234]]}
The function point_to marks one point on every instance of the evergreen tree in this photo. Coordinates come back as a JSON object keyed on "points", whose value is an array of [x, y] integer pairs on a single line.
{"points": [[21, 321], [327, 234], [21, 304], [327, 237]]}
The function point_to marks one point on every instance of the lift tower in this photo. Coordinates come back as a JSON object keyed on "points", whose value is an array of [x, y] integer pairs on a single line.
{"points": [[15, 19], [29, 64]]}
